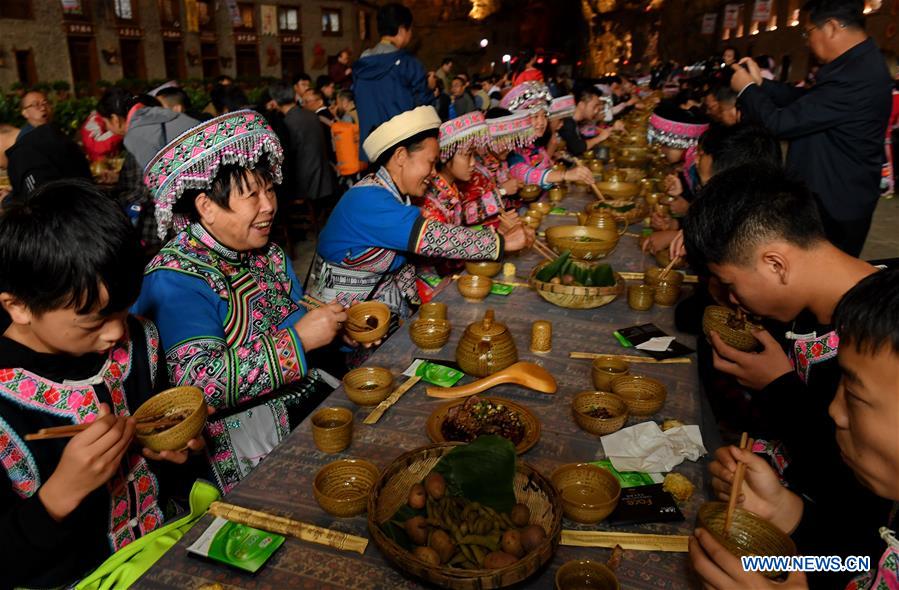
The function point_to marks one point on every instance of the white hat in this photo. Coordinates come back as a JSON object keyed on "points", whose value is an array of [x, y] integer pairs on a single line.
{"points": [[399, 128]]}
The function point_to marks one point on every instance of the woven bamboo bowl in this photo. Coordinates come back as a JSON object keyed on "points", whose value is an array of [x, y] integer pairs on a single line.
{"points": [[474, 288], [532, 221], [644, 396], [392, 491], [653, 274], [618, 189], [574, 297], [543, 207], [606, 368], [667, 292], [487, 269], [629, 211], [430, 334], [716, 317], [187, 400], [663, 257], [589, 493], [341, 488], [749, 533], [368, 386], [556, 194], [580, 574], [640, 297], [358, 315], [586, 401], [569, 237], [529, 192]]}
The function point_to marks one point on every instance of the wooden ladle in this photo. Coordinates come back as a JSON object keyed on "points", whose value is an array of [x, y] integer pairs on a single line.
{"points": [[521, 373]]}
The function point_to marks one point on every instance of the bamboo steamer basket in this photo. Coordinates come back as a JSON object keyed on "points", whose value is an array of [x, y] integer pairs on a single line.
{"points": [[392, 491], [572, 296]]}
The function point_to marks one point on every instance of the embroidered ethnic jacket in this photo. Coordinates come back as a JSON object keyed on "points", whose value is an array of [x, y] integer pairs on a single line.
{"points": [[226, 324]]}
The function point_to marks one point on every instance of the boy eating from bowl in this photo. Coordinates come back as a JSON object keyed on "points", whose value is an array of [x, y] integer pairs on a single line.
{"points": [[866, 414], [760, 234], [70, 267]]}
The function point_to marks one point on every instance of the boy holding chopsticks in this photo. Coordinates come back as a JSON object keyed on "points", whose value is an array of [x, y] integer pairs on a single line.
{"points": [[70, 267], [760, 234], [866, 414]]}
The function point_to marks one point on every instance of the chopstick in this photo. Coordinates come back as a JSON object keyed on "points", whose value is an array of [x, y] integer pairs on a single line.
{"points": [[631, 358], [745, 443], [667, 269], [544, 250], [73, 429], [639, 276], [391, 399]]}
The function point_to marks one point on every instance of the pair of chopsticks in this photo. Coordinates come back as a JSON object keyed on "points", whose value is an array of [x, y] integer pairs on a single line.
{"points": [[745, 443], [287, 526], [630, 358], [667, 269], [639, 276], [71, 430], [544, 250]]}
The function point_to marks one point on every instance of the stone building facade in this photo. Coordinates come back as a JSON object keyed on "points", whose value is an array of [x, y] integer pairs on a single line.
{"points": [[84, 41]]}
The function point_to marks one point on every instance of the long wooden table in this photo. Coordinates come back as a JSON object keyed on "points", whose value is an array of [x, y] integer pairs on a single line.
{"points": [[282, 483]]}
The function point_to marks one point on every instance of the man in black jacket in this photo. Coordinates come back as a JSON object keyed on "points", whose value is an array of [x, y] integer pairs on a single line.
{"points": [[306, 156], [836, 128]]}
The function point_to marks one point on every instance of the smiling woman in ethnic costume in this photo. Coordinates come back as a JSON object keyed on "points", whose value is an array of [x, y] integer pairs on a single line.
{"points": [[363, 249], [226, 300], [532, 164]]}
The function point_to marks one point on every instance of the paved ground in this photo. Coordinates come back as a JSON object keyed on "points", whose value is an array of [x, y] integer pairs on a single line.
{"points": [[883, 241]]}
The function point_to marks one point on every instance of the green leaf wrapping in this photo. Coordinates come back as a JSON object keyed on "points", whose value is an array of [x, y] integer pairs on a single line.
{"points": [[481, 471]]}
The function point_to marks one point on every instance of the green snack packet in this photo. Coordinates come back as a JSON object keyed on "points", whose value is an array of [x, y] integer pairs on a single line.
{"points": [[558, 211], [628, 479], [431, 280], [498, 289], [433, 373], [622, 340], [236, 545]]}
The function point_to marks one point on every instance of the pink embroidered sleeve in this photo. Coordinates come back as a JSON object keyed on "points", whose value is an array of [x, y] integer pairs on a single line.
{"points": [[456, 242]]}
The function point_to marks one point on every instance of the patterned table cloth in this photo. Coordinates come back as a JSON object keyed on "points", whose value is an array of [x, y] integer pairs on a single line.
{"points": [[282, 483]]}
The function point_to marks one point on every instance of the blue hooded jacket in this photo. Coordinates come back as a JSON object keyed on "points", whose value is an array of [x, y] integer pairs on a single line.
{"points": [[385, 85]]}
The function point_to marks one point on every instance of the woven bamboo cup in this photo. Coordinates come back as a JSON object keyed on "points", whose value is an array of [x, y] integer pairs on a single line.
{"points": [[541, 336], [640, 297], [332, 429], [606, 368], [432, 311], [667, 292]]}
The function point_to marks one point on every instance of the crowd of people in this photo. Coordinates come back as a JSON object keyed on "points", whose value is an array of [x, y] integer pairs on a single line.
{"points": [[167, 273]]}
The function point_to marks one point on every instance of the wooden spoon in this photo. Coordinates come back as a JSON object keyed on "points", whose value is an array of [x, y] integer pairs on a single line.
{"points": [[521, 373]]}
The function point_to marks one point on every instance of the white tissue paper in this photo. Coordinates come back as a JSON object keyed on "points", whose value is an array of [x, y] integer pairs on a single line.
{"points": [[644, 447], [657, 344]]}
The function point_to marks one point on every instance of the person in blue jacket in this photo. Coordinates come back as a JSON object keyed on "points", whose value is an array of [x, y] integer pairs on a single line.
{"points": [[387, 80]]}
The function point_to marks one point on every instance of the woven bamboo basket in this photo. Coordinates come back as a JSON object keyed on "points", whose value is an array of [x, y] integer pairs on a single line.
{"points": [[573, 297], [644, 396], [185, 400], [749, 533], [341, 487], [392, 491], [715, 317]]}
